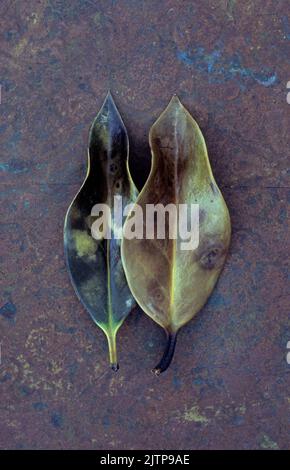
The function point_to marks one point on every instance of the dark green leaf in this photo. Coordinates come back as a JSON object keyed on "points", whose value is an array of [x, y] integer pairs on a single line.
{"points": [[95, 266]]}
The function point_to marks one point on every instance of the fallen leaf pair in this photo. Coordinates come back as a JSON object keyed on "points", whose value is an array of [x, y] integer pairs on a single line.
{"points": [[109, 276]]}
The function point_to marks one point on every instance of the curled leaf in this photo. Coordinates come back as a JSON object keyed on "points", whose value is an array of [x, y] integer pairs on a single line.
{"points": [[95, 265], [170, 283]]}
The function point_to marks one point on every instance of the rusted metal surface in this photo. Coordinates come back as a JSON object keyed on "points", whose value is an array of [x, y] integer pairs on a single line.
{"points": [[228, 386]]}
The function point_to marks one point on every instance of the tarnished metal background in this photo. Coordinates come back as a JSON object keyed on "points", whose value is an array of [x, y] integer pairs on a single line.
{"points": [[229, 62]]}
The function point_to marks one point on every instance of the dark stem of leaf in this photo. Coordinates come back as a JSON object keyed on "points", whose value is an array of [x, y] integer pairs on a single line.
{"points": [[168, 354], [115, 367]]}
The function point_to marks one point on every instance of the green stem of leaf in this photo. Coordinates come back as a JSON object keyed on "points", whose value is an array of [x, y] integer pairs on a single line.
{"points": [[113, 352]]}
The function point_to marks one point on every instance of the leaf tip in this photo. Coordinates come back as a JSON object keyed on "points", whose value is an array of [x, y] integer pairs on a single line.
{"points": [[175, 100], [109, 98], [109, 101]]}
